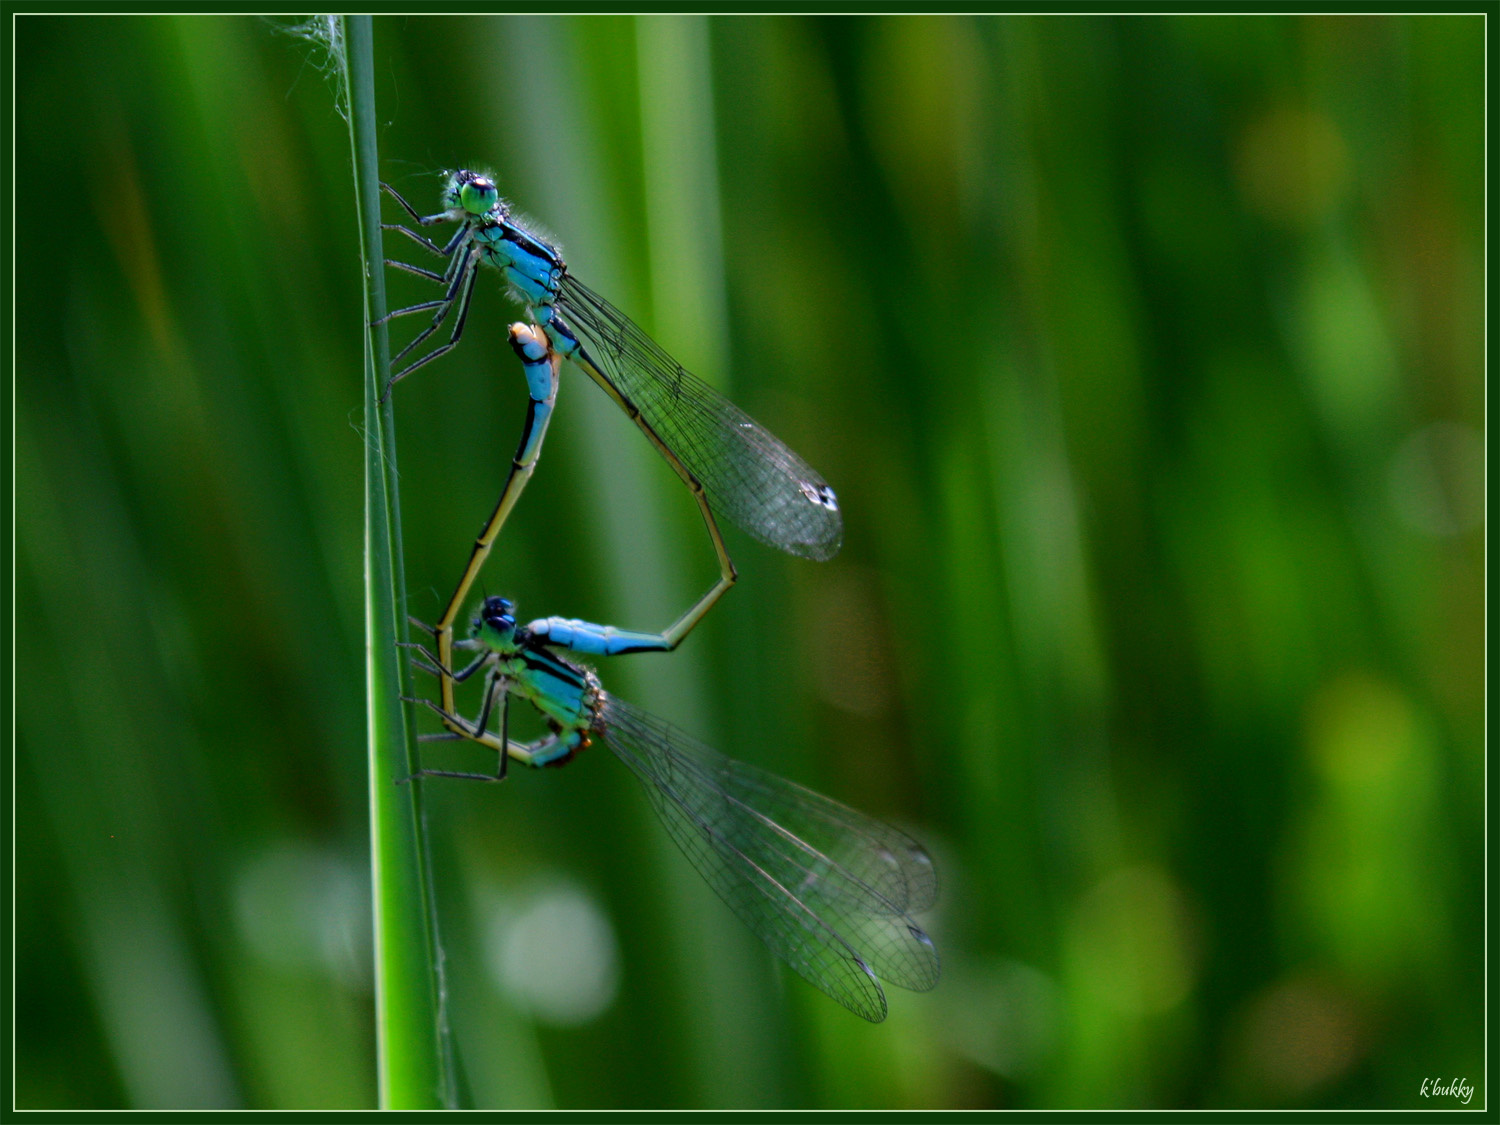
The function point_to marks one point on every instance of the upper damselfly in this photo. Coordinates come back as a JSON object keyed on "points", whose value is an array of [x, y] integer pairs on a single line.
{"points": [[746, 472]]}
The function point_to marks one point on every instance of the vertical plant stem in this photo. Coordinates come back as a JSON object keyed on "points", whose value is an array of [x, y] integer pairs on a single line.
{"points": [[415, 1059]]}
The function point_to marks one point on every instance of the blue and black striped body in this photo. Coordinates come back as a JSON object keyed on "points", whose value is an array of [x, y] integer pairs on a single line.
{"points": [[567, 694], [533, 268]]}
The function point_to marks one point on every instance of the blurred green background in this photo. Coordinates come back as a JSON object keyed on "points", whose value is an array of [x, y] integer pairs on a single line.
{"points": [[1146, 357]]}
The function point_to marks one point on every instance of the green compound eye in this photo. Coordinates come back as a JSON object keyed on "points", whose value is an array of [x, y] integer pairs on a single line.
{"points": [[478, 196]]}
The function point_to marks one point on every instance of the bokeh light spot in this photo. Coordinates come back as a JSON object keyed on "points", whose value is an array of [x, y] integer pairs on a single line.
{"points": [[1297, 1035], [555, 953], [1292, 166], [1437, 479], [301, 908], [1132, 937]]}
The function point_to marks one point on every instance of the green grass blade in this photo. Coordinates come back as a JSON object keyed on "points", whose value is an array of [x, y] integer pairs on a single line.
{"points": [[415, 1058]]}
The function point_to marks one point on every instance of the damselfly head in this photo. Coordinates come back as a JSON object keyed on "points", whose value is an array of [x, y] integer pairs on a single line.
{"points": [[496, 623], [475, 192]]}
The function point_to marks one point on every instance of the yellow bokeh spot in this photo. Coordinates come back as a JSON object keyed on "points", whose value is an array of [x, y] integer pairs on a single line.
{"points": [[1292, 166]]}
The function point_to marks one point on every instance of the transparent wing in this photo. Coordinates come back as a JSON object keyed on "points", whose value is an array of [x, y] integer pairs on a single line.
{"points": [[827, 888], [750, 475], [895, 868]]}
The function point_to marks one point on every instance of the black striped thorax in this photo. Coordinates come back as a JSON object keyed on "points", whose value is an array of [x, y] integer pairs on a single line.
{"points": [[566, 692]]}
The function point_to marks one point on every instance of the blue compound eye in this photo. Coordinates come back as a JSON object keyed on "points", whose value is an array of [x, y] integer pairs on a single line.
{"points": [[498, 614]]}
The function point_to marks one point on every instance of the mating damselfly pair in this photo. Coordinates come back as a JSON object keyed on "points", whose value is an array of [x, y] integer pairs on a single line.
{"points": [[829, 890]]}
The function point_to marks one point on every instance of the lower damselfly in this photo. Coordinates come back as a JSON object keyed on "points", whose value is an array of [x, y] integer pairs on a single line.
{"points": [[829, 890]]}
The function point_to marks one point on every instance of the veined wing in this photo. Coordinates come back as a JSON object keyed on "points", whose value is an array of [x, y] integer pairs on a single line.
{"points": [[896, 869], [750, 475], [831, 906]]}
